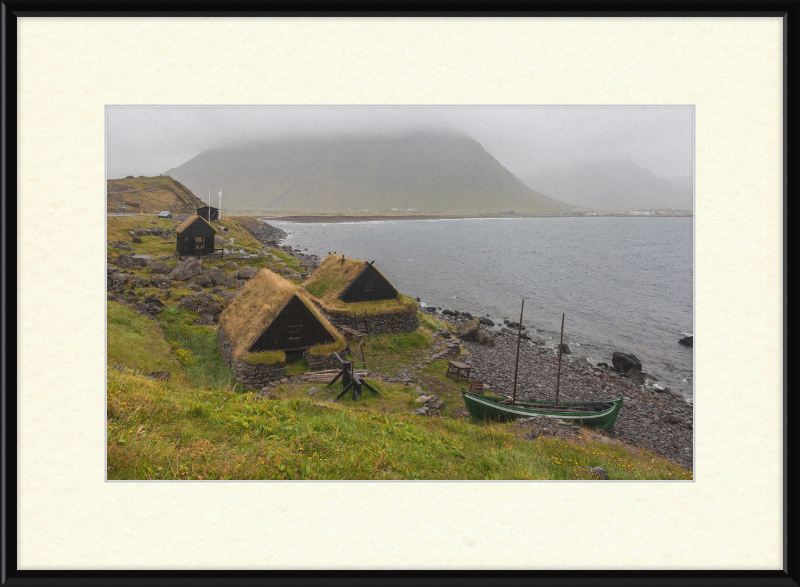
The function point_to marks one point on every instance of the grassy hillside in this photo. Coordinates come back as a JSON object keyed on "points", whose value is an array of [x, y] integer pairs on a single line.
{"points": [[431, 172], [151, 195], [166, 431], [202, 424]]}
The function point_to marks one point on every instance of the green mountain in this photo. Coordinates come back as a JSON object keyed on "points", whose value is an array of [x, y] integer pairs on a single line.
{"points": [[431, 172], [150, 195]]}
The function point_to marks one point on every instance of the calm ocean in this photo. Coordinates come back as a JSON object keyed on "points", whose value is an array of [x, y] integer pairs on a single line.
{"points": [[624, 283]]}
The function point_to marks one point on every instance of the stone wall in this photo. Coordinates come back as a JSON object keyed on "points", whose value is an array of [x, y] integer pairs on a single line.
{"points": [[382, 324], [250, 375], [321, 362]]}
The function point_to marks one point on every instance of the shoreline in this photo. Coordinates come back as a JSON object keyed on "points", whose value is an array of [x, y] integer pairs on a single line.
{"points": [[334, 219]]}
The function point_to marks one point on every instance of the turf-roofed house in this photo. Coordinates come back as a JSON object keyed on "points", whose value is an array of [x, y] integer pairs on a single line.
{"points": [[270, 323], [344, 288], [195, 237]]}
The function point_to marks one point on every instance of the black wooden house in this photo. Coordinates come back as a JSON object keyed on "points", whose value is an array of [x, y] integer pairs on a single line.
{"points": [[294, 328], [208, 213], [195, 237], [368, 286]]}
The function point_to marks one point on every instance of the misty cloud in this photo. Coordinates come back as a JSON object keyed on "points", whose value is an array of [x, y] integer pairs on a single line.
{"points": [[530, 141]]}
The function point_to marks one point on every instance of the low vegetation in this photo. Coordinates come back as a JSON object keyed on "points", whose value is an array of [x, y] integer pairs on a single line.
{"points": [[164, 431]]}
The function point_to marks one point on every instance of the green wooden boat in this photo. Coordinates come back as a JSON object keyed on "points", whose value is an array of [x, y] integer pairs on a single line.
{"points": [[599, 414]]}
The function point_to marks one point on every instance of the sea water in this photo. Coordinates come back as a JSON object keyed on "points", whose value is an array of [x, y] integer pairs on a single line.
{"points": [[623, 283]]}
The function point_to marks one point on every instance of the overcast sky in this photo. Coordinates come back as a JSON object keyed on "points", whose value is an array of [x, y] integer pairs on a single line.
{"points": [[148, 140]]}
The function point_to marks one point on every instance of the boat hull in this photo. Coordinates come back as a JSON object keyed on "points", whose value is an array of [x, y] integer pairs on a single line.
{"points": [[482, 407]]}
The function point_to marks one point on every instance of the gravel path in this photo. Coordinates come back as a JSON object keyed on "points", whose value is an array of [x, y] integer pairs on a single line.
{"points": [[659, 421]]}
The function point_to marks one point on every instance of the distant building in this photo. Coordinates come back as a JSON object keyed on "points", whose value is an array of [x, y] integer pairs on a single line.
{"points": [[506, 212], [208, 213]]}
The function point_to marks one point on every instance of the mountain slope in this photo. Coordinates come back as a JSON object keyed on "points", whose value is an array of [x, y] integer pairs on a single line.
{"points": [[150, 195], [427, 171], [612, 185]]}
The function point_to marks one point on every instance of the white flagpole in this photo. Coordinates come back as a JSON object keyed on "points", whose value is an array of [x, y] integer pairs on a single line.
{"points": [[209, 204], [220, 205]]}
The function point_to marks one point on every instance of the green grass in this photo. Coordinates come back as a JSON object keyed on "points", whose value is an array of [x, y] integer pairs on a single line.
{"points": [[433, 323], [286, 258], [297, 368], [264, 358], [162, 431], [137, 343], [421, 338], [196, 348]]}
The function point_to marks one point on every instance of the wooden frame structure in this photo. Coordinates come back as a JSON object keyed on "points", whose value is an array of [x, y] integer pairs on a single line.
{"points": [[195, 237], [208, 213]]}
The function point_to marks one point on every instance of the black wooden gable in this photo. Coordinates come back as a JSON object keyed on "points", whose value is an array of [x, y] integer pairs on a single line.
{"points": [[208, 213], [368, 286], [197, 228], [295, 327]]}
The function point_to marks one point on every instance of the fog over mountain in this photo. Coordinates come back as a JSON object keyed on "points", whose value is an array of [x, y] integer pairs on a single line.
{"points": [[442, 171], [612, 185], [607, 157]]}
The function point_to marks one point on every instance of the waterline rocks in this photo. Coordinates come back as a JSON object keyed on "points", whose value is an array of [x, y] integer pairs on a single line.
{"points": [[624, 362], [687, 341]]}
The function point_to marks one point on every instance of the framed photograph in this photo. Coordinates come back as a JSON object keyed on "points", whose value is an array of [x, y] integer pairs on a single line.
{"points": [[71, 77]]}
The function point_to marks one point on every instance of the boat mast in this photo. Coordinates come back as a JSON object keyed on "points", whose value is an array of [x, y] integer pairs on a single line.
{"points": [[560, 348], [516, 365]]}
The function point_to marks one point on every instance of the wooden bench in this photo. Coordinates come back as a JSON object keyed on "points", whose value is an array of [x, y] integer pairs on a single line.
{"points": [[458, 371]]}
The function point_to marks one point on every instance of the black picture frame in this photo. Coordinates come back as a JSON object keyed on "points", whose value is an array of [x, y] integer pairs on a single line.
{"points": [[789, 10]]}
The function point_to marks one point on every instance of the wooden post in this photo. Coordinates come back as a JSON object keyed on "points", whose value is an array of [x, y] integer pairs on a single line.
{"points": [[516, 366], [561, 344]]}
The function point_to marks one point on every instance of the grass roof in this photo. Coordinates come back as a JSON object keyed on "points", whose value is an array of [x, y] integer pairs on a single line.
{"points": [[258, 304], [189, 221], [332, 277]]}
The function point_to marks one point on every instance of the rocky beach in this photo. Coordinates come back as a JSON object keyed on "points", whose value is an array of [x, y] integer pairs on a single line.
{"points": [[652, 416]]}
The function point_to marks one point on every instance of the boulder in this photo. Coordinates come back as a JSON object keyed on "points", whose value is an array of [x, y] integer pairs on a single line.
{"points": [[229, 265], [136, 240], [156, 230], [161, 282], [142, 260], [202, 302], [247, 273], [636, 376], [124, 261], [564, 349], [687, 341], [469, 330], [598, 472], [624, 362], [484, 339], [186, 269], [203, 280], [220, 277], [485, 320], [160, 268], [153, 299]]}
